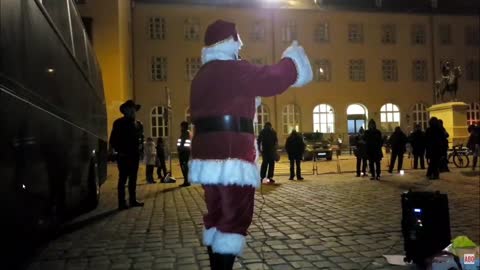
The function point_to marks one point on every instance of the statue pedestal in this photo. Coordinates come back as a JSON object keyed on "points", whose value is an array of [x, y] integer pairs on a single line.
{"points": [[454, 117]]}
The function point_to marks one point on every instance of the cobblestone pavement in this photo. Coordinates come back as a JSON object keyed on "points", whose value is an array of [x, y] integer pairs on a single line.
{"points": [[327, 221]]}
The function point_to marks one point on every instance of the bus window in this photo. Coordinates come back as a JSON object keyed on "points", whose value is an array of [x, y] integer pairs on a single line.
{"points": [[79, 39], [58, 12]]}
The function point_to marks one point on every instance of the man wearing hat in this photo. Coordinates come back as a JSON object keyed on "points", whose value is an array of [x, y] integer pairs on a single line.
{"points": [[127, 140], [224, 155]]}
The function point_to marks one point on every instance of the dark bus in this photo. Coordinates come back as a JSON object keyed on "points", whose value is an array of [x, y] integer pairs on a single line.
{"points": [[53, 134]]}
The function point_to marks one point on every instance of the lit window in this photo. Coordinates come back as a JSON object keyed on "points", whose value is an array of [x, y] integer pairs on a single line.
{"points": [[290, 118], [263, 116], [192, 65], [389, 34], [389, 70], [159, 122], [159, 68], [322, 70], [389, 117], [472, 70], [419, 70], [420, 115], [357, 70], [473, 114], [258, 31], [157, 28], [445, 34], [323, 119], [289, 31], [355, 33], [418, 34], [472, 35], [321, 33], [192, 29]]}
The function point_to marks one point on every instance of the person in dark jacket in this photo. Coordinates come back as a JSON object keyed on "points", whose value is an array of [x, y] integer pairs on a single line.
{"points": [[444, 156], [474, 143], [360, 152], [126, 139], [398, 142], [435, 137], [374, 142], [267, 145], [183, 148], [417, 140], [295, 147]]}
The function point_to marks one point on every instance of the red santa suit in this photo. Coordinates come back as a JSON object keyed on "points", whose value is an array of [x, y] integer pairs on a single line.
{"points": [[224, 154]]}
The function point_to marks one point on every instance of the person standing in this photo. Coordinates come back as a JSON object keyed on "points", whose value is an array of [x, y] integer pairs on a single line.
{"points": [[417, 140], [150, 158], [444, 146], [183, 149], [295, 147], [161, 166], [398, 142], [374, 142], [126, 139], [267, 144], [435, 137], [474, 144], [222, 105], [360, 152]]}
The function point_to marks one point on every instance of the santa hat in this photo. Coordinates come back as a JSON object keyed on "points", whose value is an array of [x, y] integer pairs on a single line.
{"points": [[222, 42]]}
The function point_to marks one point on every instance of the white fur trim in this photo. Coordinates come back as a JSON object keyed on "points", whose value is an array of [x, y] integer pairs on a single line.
{"points": [[300, 58], [228, 243], [225, 50], [208, 236], [224, 172]]}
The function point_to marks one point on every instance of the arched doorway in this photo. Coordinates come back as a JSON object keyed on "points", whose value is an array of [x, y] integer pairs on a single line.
{"points": [[357, 115]]}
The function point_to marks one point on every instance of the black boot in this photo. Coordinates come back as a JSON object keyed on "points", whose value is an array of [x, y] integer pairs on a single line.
{"points": [[223, 261], [211, 258]]}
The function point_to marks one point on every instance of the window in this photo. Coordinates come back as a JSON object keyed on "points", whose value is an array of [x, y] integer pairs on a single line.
{"points": [[258, 31], [473, 114], [323, 119], [258, 61], [322, 70], [321, 32], [420, 115], [159, 68], [57, 11], [445, 34], [263, 116], [472, 35], [191, 29], [157, 28], [389, 70], [159, 122], [357, 70], [419, 70], [192, 65], [472, 69], [289, 31], [389, 34], [355, 33], [389, 117], [290, 118], [418, 34]]}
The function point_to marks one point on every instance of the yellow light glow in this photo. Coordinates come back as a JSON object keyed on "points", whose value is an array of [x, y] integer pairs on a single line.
{"points": [[321, 70], [50, 70]]}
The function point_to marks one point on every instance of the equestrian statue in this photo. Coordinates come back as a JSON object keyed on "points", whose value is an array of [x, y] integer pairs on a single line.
{"points": [[448, 82]]}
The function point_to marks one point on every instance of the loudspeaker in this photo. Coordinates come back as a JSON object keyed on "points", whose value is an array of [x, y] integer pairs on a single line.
{"points": [[425, 224]]}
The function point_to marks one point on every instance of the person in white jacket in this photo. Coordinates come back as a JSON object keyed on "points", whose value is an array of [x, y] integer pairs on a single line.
{"points": [[150, 157]]}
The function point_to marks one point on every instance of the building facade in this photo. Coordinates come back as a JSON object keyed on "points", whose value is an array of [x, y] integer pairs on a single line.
{"points": [[378, 64]]}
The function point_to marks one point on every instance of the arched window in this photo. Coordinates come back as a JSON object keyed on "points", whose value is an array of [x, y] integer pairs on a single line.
{"points": [[389, 116], [263, 116], [159, 122], [323, 119], [473, 114], [420, 115], [290, 118], [357, 115]]}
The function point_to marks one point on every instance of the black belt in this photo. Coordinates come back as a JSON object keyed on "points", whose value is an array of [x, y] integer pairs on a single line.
{"points": [[223, 123]]}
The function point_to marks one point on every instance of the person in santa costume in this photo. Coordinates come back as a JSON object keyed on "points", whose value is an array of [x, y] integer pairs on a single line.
{"points": [[224, 155]]}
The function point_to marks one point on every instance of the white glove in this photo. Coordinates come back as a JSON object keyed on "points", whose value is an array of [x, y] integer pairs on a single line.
{"points": [[300, 58]]}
